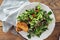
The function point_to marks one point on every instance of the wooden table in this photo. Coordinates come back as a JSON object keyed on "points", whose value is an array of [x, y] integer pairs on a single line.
{"points": [[55, 6]]}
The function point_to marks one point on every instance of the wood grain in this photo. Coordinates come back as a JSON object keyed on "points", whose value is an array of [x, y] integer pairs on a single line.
{"points": [[54, 5], [10, 36], [1, 1]]}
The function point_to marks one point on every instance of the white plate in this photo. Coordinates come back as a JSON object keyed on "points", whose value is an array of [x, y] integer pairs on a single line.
{"points": [[51, 26], [45, 34]]}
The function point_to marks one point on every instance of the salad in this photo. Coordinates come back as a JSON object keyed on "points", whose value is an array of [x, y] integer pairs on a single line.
{"points": [[34, 21]]}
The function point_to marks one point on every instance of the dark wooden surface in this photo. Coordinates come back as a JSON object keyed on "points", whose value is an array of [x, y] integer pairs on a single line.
{"points": [[54, 5]]}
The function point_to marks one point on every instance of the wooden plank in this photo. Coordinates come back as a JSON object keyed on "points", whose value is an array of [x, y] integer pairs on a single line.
{"points": [[0, 23], [1, 1], [10, 36], [54, 5]]}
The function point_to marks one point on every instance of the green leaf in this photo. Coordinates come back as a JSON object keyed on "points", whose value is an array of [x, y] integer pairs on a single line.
{"points": [[31, 11], [29, 36], [44, 11], [38, 7], [44, 28], [49, 13], [30, 16], [25, 12], [39, 16]]}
